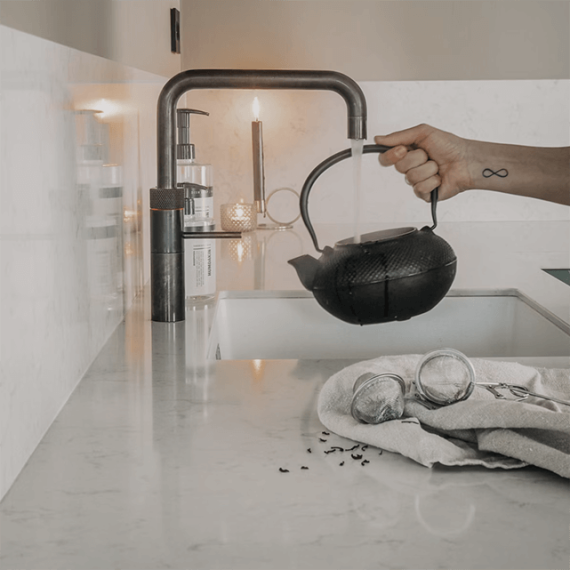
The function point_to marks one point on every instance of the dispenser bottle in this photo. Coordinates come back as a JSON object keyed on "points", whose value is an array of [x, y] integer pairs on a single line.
{"points": [[196, 179]]}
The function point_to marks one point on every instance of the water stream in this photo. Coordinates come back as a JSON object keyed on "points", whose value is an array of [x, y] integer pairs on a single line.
{"points": [[356, 181]]}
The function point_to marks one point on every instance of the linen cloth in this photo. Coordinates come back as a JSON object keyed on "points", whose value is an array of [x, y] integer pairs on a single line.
{"points": [[481, 430]]}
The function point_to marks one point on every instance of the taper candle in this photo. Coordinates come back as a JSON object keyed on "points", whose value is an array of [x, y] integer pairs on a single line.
{"points": [[258, 170]]}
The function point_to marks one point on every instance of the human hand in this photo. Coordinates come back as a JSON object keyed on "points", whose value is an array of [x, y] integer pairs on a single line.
{"points": [[429, 158]]}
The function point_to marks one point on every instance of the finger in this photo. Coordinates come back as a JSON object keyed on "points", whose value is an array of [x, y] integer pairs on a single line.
{"points": [[424, 188], [406, 137], [412, 159], [392, 156], [423, 172]]}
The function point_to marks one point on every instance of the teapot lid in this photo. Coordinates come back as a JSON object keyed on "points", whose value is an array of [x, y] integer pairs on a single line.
{"points": [[378, 236]]}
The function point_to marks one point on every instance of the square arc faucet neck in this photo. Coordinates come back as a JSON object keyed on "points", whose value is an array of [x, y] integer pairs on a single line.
{"points": [[185, 81], [167, 244]]}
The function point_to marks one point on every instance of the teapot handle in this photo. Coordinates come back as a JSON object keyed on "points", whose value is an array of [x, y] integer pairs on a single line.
{"points": [[331, 161]]}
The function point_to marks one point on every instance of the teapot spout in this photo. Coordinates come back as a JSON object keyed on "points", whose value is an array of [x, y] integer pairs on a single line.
{"points": [[306, 267]]}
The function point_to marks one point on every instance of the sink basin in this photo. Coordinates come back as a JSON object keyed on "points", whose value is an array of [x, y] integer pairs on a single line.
{"points": [[501, 324]]}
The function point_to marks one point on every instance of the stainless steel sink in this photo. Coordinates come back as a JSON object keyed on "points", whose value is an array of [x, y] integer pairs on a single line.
{"points": [[501, 324]]}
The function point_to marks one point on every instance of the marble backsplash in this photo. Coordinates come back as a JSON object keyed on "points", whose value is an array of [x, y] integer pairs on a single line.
{"points": [[73, 190]]}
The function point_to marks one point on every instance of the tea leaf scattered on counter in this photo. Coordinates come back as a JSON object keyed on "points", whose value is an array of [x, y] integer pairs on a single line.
{"points": [[334, 448]]}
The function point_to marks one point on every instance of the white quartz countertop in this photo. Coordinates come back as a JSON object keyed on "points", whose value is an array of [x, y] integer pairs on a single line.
{"points": [[161, 459]]}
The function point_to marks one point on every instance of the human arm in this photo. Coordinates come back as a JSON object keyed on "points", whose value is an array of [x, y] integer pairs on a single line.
{"points": [[432, 158]]}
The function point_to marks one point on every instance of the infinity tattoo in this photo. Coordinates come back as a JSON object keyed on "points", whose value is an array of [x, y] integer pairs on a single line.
{"points": [[503, 173]]}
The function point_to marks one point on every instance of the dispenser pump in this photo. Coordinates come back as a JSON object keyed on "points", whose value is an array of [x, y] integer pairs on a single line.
{"points": [[185, 149]]}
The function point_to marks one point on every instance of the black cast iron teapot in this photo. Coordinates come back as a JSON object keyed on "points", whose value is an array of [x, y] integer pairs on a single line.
{"points": [[390, 275]]}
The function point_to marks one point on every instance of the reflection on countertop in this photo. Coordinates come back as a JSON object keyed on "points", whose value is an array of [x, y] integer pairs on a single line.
{"points": [[163, 458]]}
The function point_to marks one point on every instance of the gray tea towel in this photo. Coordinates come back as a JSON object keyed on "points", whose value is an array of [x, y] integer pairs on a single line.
{"points": [[481, 430]]}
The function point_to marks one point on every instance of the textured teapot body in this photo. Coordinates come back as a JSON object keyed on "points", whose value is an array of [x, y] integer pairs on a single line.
{"points": [[381, 280]]}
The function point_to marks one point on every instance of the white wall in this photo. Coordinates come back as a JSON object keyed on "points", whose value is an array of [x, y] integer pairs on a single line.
{"points": [[73, 233], [390, 40], [133, 32]]}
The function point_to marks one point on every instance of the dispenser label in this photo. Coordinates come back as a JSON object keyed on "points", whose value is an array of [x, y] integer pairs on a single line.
{"points": [[200, 268]]}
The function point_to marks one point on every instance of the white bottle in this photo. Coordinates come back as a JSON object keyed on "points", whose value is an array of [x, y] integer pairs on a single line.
{"points": [[196, 179]]}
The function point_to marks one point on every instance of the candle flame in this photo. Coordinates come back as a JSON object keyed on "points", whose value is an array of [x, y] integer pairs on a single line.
{"points": [[255, 108]]}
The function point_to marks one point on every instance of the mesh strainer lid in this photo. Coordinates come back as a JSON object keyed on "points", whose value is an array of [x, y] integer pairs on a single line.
{"points": [[377, 398], [445, 376]]}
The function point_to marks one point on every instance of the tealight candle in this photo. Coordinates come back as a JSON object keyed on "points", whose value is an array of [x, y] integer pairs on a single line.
{"points": [[238, 217]]}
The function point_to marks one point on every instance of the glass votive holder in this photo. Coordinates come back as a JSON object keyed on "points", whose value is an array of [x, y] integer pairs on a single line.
{"points": [[238, 217]]}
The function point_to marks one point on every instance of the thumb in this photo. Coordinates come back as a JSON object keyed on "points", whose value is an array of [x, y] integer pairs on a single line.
{"points": [[407, 137]]}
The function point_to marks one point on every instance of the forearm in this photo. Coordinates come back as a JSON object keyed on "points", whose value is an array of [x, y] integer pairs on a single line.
{"points": [[542, 173]]}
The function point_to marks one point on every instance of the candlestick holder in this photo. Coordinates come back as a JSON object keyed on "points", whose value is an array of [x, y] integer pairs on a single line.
{"points": [[280, 224], [238, 217]]}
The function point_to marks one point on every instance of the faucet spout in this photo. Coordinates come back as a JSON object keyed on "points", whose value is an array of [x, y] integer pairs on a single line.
{"points": [[167, 203]]}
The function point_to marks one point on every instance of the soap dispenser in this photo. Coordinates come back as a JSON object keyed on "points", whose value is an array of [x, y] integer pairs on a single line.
{"points": [[196, 180]]}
